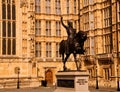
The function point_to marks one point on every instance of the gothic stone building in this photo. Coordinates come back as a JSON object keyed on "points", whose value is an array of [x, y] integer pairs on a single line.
{"points": [[30, 33], [101, 20]]}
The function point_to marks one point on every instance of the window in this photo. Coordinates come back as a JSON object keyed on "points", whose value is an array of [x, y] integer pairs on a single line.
{"points": [[57, 50], [106, 17], [74, 6], [91, 20], [8, 11], [92, 46], [58, 29], [48, 28], [67, 7], [107, 43], [75, 24], [3, 10], [106, 73], [57, 7], [87, 46], [48, 7], [90, 73], [8, 27], [37, 6], [48, 50], [119, 11], [38, 49], [86, 2], [86, 22], [91, 1], [37, 27], [107, 27]]}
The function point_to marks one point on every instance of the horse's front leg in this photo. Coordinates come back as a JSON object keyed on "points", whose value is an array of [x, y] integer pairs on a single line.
{"points": [[74, 54], [65, 60]]}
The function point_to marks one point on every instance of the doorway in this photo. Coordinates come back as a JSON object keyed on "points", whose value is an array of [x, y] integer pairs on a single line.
{"points": [[49, 77]]}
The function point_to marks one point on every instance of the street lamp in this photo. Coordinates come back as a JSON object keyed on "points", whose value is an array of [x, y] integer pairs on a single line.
{"points": [[118, 89], [96, 79], [96, 74], [79, 15], [18, 81], [117, 45]]}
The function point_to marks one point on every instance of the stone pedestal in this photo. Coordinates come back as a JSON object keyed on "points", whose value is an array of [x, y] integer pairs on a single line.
{"points": [[72, 81]]}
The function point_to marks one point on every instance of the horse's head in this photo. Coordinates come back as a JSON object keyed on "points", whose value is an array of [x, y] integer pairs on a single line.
{"points": [[81, 36], [79, 41]]}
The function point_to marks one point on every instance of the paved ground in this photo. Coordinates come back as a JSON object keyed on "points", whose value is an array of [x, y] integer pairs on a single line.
{"points": [[38, 89], [103, 90], [51, 89]]}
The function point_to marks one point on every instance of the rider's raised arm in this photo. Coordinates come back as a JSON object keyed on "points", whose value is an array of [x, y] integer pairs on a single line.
{"points": [[63, 23]]}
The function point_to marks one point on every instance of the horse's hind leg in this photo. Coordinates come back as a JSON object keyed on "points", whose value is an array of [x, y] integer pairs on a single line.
{"points": [[76, 61], [64, 61], [64, 67]]}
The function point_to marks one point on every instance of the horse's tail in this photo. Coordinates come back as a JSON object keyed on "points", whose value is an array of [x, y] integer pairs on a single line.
{"points": [[62, 47]]}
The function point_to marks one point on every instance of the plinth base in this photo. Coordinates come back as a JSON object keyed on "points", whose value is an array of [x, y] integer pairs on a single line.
{"points": [[72, 81]]}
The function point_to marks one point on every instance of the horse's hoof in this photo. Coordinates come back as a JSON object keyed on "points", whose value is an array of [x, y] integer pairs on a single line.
{"points": [[65, 69]]}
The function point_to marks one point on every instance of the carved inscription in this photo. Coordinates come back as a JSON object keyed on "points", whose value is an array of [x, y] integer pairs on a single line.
{"points": [[65, 83], [81, 81]]}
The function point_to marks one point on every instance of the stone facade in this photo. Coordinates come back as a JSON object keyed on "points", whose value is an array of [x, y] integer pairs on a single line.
{"points": [[38, 33], [101, 21], [37, 41]]}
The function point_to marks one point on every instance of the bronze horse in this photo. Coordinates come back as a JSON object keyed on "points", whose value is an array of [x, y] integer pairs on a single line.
{"points": [[75, 48]]}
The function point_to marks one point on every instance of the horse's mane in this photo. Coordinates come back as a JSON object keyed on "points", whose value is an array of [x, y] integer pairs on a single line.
{"points": [[81, 35]]}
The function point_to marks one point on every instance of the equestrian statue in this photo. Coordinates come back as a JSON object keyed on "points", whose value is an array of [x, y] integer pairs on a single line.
{"points": [[73, 44]]}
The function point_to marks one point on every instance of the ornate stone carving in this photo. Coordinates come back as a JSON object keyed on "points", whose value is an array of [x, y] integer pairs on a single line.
{"points": [[23, 3]]}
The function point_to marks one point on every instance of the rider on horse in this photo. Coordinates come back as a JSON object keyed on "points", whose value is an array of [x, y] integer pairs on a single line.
{"points": [[73, 45], [71, 35]]}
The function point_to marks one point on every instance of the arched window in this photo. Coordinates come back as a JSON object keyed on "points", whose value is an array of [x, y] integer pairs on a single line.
{"points": [[8, 27]]}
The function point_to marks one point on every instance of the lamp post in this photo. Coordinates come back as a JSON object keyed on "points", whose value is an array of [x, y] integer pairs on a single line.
{"points": [[96, 79], [79, 15], [18, 81], [118, 89]]}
